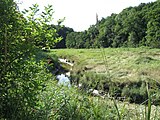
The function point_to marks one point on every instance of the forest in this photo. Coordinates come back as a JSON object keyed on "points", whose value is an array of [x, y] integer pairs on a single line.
{"points": [[28, 59], [133, 27]]}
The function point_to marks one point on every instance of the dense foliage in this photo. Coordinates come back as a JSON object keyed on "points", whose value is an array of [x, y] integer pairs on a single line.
{"points": [[62, 31], [22, 77], [133, 27]]}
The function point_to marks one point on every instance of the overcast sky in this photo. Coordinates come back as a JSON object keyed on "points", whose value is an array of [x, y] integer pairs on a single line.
{"points": [[80, 14]]}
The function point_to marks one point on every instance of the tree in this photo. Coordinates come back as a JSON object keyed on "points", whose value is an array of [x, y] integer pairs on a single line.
{"points": [[70, 40], [44, 35], [153, 29], [133, 27], [107, 32], [21, 76], [62, 32]]}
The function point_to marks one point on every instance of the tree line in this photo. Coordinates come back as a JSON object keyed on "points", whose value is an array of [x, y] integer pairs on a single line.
{"points": [[133, 27]]}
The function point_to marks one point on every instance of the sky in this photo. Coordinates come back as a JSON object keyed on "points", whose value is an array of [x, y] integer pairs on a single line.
{"points": [[81, 14]]}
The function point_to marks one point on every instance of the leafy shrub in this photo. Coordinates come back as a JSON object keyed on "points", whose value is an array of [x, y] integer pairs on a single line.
{"points": [[24, 83]]}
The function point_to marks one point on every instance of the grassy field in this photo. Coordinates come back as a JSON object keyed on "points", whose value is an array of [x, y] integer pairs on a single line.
{"points": [[126, 71], [122, 72], [123, 64]]}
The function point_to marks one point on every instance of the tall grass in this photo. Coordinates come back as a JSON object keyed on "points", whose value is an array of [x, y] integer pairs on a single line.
{"points": [[148, 114], [63, 103]]}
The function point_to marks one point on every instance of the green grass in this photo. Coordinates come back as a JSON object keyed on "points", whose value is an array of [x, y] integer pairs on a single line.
{"points": [[123, 64], [124, 71], [63, 103]]}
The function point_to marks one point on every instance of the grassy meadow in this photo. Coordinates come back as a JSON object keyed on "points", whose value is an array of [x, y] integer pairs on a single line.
{"points": [[123, 64], [132, 73]]}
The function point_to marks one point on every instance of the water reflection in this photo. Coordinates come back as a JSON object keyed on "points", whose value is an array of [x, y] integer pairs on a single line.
{"points": [[63, 80]]}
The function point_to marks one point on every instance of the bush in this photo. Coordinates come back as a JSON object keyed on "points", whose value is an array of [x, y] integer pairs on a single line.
{"points": [[60, 102], [19, 94]]}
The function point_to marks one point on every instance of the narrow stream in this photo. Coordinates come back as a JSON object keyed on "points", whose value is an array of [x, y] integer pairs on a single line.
{"points": [[63, 79]]}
